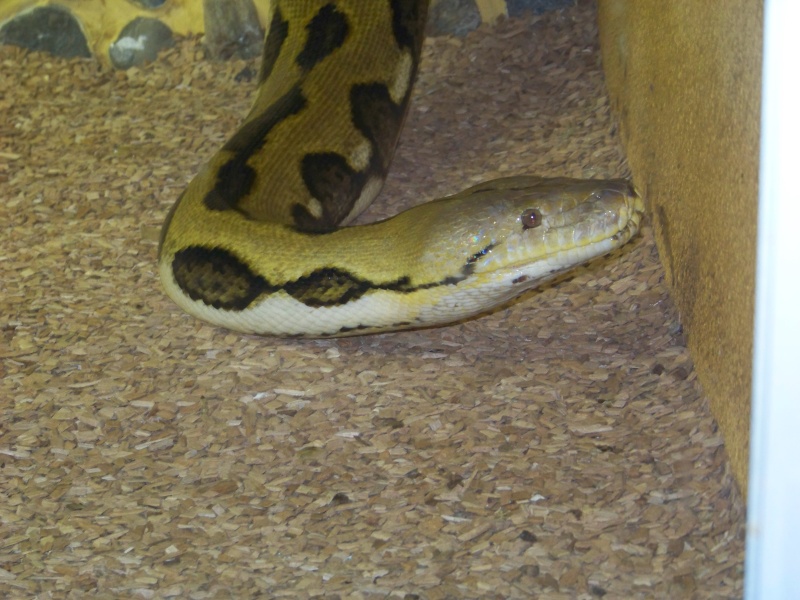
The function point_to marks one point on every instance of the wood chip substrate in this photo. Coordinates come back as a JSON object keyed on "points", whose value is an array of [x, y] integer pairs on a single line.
{"points": [[558, 448]]}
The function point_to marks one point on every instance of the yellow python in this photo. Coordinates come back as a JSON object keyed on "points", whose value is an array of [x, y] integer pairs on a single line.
{"points": [[255, 242]]}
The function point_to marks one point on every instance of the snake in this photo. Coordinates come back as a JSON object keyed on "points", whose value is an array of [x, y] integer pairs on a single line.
{"points": [[260, 241]]}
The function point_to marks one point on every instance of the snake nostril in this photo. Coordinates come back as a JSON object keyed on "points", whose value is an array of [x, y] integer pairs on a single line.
{"points": [[531, 218]]}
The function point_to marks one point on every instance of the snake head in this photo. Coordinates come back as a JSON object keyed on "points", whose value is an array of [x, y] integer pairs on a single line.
{"points": [[511, 234]]}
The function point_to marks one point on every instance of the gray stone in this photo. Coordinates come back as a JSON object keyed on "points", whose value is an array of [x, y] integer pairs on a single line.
{"points": [[232, 29], [49, 29], [139, 42], [453, 17]]}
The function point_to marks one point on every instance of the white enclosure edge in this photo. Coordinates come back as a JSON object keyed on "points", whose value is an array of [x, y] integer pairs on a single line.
{"points": [[772, 561]]}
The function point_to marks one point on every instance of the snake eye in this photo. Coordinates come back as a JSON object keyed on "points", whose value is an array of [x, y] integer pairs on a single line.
{"points": [[531, 218]]}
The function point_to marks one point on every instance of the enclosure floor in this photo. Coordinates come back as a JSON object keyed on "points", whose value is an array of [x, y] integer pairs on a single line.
{"points": [[559, 448]]}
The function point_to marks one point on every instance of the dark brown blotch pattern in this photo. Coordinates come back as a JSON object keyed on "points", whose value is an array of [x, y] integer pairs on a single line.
{"points": [[334, 287], [327, 176], [235, 178], [220, 279], [331, 180], [408, 24], [327, 31], [379, 119], [217, 278], [277, 34]]}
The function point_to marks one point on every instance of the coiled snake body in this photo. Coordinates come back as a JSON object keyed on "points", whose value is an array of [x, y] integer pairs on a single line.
{"points": [[256, 244]]}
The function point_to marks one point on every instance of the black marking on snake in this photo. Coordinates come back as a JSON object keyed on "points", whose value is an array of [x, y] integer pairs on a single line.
{"points": [[277, 34], [327, 31], [331, 180], [217, 278], [328, 176], [467, 270], [235, 178], [408, 24], [379, 119], [346, 329], [472, 259], [330, 286]]}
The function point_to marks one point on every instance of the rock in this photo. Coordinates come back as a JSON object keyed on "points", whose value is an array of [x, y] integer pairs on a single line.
{"points": [[453, 17], [139, 42], [232, 29], [49, 29]]}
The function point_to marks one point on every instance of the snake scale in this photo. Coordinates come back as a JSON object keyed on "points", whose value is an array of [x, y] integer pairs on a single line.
{"points": [[256, 243]]}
